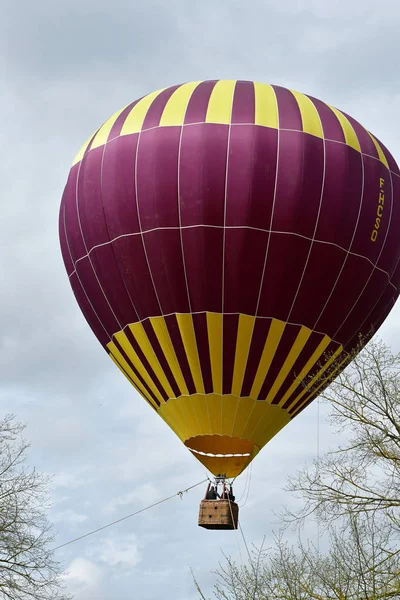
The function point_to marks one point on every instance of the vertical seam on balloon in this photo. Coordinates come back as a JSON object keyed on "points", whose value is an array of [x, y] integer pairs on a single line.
{"points": [[225, 197], [138, 215], [182, 245], [179, 214], [273, 204], [316, 221], [80, 282], [376, 262], [108, 232], [84, 243], [224, 239], [350, 245]]}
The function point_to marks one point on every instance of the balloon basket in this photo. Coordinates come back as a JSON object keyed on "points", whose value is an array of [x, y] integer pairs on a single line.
{"points": [[219, 511], [218, 514]]}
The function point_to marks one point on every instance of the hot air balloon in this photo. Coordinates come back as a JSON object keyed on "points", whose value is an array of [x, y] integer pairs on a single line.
{"points": [[228, 243]]}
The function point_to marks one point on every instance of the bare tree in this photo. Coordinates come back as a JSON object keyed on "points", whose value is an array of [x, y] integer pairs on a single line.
{"points": [[353, 491], [362, 475], [28, 570], [362, 563]]}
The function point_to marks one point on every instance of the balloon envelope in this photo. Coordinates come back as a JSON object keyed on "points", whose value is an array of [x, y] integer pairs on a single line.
{"points": [[228, 242]]}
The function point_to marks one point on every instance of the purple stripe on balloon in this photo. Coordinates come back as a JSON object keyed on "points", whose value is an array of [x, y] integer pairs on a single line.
{"points": [[118, 186], [260, 332], [203, 256], [349, 286], [366, 144], [98, 300], [107, 270], [243, 108], [90, 205], [363, 244], [177, 343], [251, 176], [359, 317], [198, 104], [201, 333], [69, 265], [244, 262], [310, 347], [299, 183], [91, 317], [229, 349], [119, 122], [164, 253], [202, 173], [341, 200], [131, 258], [155, 344], [323, 268], [157, 178], [285, 345], [156, 108], [329, 121], [288, 109], [143, 359], [287, 255], [72, 225], [142, 381]]}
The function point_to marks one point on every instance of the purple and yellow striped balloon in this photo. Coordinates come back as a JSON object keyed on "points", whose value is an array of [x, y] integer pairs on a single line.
{"points": [[228, 241]]}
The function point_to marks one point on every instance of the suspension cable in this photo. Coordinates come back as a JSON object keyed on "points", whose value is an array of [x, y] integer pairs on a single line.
{"points": [[81, 537]]}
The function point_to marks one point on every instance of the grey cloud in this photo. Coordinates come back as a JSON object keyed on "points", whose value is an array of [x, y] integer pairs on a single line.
{"points": [[68, 67]]}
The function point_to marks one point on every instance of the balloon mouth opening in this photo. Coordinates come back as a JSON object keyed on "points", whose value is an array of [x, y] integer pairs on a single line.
{"points": [[219, 446], [217, 455]]}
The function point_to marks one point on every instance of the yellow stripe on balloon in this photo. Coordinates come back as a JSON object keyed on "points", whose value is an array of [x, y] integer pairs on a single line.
{"points": [[170, 412], [271, 344], [338, 368], [214, 404], [297, 347], [199, 404], [124, 367], [82, 151], [134, 121], [266, 107], [315, 378], [214, 329], [229, 410], [348, 131], [245, 407], [243, 341], [322, 346], [137, 363], [272, 421], [175, 109], [220, 104], [379, 150], [101, 136], [311, 121], [140, 336], [160, 329], [186, 328]]}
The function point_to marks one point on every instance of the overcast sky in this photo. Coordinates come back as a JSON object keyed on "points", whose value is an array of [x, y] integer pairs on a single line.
{"points": [[66, 67]]}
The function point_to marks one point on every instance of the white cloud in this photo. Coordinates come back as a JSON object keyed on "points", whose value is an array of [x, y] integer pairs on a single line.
{"points": [[83, 575], [68, 516]]}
